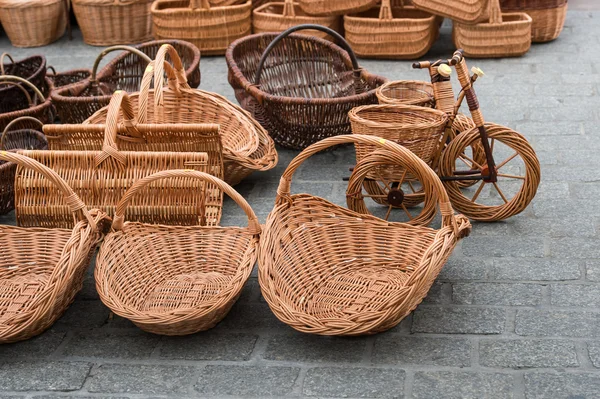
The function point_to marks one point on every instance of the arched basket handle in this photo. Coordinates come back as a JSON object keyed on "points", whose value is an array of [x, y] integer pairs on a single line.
{"points": [[16, 121], [110, 50], [159, 71], [12, 79]]}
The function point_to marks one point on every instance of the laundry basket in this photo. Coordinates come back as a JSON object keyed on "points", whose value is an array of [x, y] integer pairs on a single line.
{"points": [[548, 16], [33, 23], [407, 92], [175, 280], [32, 69], [42, 269], [38, 105]]}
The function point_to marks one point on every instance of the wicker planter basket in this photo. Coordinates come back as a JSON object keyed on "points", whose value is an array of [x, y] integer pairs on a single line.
{"points": [[407, 92], [42, 269], [110, 22], [277, 17], [32, 69], [149, 275], [210, 28], [505, 35], [345, 288], [391, 32], [18, 135], [39, 107], [464, 11], [548, 16], [300, 88], [335, 7], [33, 23]]}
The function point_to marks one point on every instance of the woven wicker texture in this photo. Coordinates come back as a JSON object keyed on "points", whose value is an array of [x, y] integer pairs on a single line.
{"points": [[335, 7], [210, 28], [175, 280], [32, 69], [41, 270], [391, 32], [305, 88], [318, 279], [406, 92], [464, 11], [33, 23], [40, 106], [277, 17], [18, 134], [505, 35], [62, 79], [548, 16], [101, 178], [110, 22]]}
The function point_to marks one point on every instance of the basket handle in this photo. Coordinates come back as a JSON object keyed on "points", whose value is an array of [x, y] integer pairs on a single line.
{"points": [[286, 33], [104, 52], [4, 55], [253, 223], [159, 72], [288, 9], [495, 12], [199, 4], [14, 122], [18, 79], [144, 92], [385, 12]]}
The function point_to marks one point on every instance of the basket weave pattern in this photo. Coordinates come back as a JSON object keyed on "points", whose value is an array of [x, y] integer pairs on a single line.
{"points": [[33, 23]]}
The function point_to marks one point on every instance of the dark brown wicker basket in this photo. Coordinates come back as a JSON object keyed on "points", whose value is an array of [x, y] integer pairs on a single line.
{"points": [[62, 79], [32, 69], [38, 106], [300, 88]]}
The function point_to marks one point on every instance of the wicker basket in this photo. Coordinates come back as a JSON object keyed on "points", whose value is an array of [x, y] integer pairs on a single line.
{"points": [[149, 275], [464, 11], [62, 79], [277, 17], [407, 92], [212, 29], [391, 32], [548, 16], [505, 35], [365, 274], [110, 22], [42, 269], [40, 106], [101, 177], [33, 23], [300, 88], [32, 69], [335, 7], [22, 138]]}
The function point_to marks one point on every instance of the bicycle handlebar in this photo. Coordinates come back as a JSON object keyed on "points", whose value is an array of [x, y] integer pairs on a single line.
{"points": [[457, 57]]}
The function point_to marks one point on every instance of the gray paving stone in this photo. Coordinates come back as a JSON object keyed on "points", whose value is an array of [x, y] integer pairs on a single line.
{"points": [[43, 375], [497, 294], [209, 346], [578, 227], [84, 314], [535, 269], [399, 349], [247, 380], [313, 348], [586, 190], [354, 382], [593, 270], [134, 344], [564, 323], [41, 346], [504, 246], [594, 353], [78, 397], [541, 385], [458, 320], [142, 379], [509, 353], [575, 248], [460, 268], [437, 293], [462, 385], [244, 316], [585, 296]]}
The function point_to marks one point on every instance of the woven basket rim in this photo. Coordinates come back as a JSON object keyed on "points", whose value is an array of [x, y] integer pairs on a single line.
{"points": [[186, 10], [110, 3], [534, 6], [261, 11], [433, 117], [523, 19], [427, 17]]}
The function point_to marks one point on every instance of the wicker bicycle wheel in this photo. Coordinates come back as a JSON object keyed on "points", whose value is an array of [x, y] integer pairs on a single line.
{"points": [[364, 275], [32, 69], [406, 92], [34, 23], [175, 280], [335, 7], [40, 106]]}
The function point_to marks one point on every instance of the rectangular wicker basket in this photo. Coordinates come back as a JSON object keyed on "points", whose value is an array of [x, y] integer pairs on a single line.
{"points": [[548, 16]]}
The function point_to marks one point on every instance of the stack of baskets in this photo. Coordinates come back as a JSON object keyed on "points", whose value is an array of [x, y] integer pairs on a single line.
{"points": [[32, 23], [548, 16]]}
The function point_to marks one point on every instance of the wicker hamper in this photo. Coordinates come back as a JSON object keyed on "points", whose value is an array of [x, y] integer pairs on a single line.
{"points": [[33, 23], [548, 16]]}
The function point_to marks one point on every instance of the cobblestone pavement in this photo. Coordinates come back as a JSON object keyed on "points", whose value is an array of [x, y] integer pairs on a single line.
{"points": [[514, 314]]}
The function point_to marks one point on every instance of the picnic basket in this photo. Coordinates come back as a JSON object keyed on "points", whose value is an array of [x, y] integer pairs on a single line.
{"points": [[335, 7], [175, 280], [32, 69], [279, 16], [505, 35], [210, 28], [38, 106], [406, 92], [299, 88], [101, 177], [391, 32], [23, 133], [33, 23], [42, 269], [548, 16], [110, 22], [324, 269], [463, 11]]}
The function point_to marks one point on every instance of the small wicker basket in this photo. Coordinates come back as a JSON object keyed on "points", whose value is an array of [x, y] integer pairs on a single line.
{"points": [[391, 32], [39, 106], [33, 23], [407, 92], [548, 16], [335, 7], [32, 69], [463, 11], [175, 280]]}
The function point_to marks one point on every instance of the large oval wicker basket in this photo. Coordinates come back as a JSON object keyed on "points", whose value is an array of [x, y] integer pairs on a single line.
{"points": [[548, 16], [175, 280], [300, 88], [326, 270], [33, 23]]}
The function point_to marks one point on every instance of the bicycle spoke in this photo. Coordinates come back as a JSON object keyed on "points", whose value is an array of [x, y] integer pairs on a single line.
{"points": [[469, 159], [381, 179], [412, 188], [478, 191], [374, 196], [500, 192], [492, 145], [507, 160], [511, 176], [387, 215], [407, 212], [402, 178]]}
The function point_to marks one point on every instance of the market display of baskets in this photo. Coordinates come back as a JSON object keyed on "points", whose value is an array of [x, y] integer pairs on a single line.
{"points": [[210, 28], [391, 32], [32, 69], [33, 23], [406, 92], [38, 105], [464, 11], [42, 269], [548, 16], [110, 22], [335, 7], [300, 88]]}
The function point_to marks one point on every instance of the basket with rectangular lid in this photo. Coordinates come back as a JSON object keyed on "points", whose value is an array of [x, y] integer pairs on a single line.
{"points": [[548, 16], [463, 11]]}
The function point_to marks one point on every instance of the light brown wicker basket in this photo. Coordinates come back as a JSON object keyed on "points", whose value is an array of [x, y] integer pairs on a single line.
{"points": [[210, 28], [406, 92], [505, 35], [175, 280], [101, 178], [464, 11], [277, 17], [335, 7], [110, 22], [548, 16], [391, 32], [33, 23], [363, 274], [41, 269]]}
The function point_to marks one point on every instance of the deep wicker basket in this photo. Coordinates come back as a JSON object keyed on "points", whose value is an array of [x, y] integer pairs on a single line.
{"points": [[300, 88], [407, 92], [32, 69], [39, 105], [335, 7], [33, 23], [463, 11], [548, 16]]}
